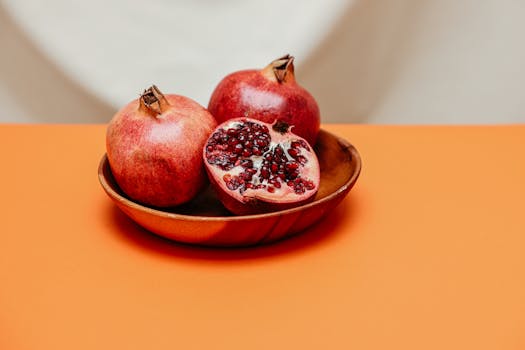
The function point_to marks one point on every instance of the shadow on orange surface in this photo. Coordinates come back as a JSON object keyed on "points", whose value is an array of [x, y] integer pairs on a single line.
{"points": [[320, 233]]}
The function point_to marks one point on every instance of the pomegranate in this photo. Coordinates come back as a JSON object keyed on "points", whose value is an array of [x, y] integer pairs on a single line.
{"points": [[154, 147], [258, 167], [267, 95]]}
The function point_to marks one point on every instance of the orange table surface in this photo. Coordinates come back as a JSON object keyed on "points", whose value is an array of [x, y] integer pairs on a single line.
{"points": [[426, 252]]}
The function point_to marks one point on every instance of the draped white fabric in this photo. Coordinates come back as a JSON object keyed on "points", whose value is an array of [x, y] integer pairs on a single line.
{"points": [[376, 61]]}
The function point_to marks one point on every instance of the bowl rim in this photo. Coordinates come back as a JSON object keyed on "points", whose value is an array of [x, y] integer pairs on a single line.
{"points": [[170, 215]]}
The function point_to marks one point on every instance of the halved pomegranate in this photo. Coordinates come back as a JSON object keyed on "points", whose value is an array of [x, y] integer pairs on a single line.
{"points": [[258, 167]]}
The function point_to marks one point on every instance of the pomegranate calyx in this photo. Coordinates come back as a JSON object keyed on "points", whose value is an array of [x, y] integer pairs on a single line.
{"points": [[283, 68], [153, 102]]}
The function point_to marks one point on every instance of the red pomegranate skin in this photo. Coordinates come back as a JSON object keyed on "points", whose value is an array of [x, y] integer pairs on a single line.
{"points": [[258, 94], [157, 160]]}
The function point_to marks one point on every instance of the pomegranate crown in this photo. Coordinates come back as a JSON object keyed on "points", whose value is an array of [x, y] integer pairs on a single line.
{"points": [[283, 68], [153, 101]]}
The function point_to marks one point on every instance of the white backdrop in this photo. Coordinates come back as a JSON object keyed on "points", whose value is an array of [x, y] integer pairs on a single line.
{"points": [[377, 61]]}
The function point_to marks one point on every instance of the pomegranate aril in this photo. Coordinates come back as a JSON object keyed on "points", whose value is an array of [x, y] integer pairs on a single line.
{"points": [[233, 182], [265, 173], [224, 138], [246, 163], [309, 185], [233, 141], [293, 175], [256, 151], [299, 188], [299, 143], [291, 166], [270, 189], [238, 149], [293, 152], [302, 160], [247, 176]]}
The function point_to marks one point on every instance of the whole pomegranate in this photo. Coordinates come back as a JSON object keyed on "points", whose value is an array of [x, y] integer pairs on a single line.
{"points": [[154, 147], [257, 167], [267, 95]]}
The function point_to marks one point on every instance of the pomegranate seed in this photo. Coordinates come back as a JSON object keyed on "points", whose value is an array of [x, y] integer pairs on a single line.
{"points": [[309, 185], [304, 145], [265, 174], [246, 176], [293, 152], [246, 163], [301, 160], [256, 151], [238, 149], [270, 189], [291, 166], [299, 188], [274, 167], [233, 141]]}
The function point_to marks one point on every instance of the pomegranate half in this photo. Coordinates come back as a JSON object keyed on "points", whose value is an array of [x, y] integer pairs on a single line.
{"points": [[154, 147], [256, 167], [269, 94]]}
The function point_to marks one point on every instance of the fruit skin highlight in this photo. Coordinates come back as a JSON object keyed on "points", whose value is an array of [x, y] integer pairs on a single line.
{"points": [[154, 147], [269, 94], [256, 167]]}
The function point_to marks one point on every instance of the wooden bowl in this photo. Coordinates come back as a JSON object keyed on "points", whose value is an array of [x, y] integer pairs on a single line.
{"points": [[205, 221]]}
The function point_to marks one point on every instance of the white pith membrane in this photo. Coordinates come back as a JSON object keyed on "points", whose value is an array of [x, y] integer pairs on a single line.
{"points": [[284, 194]]}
